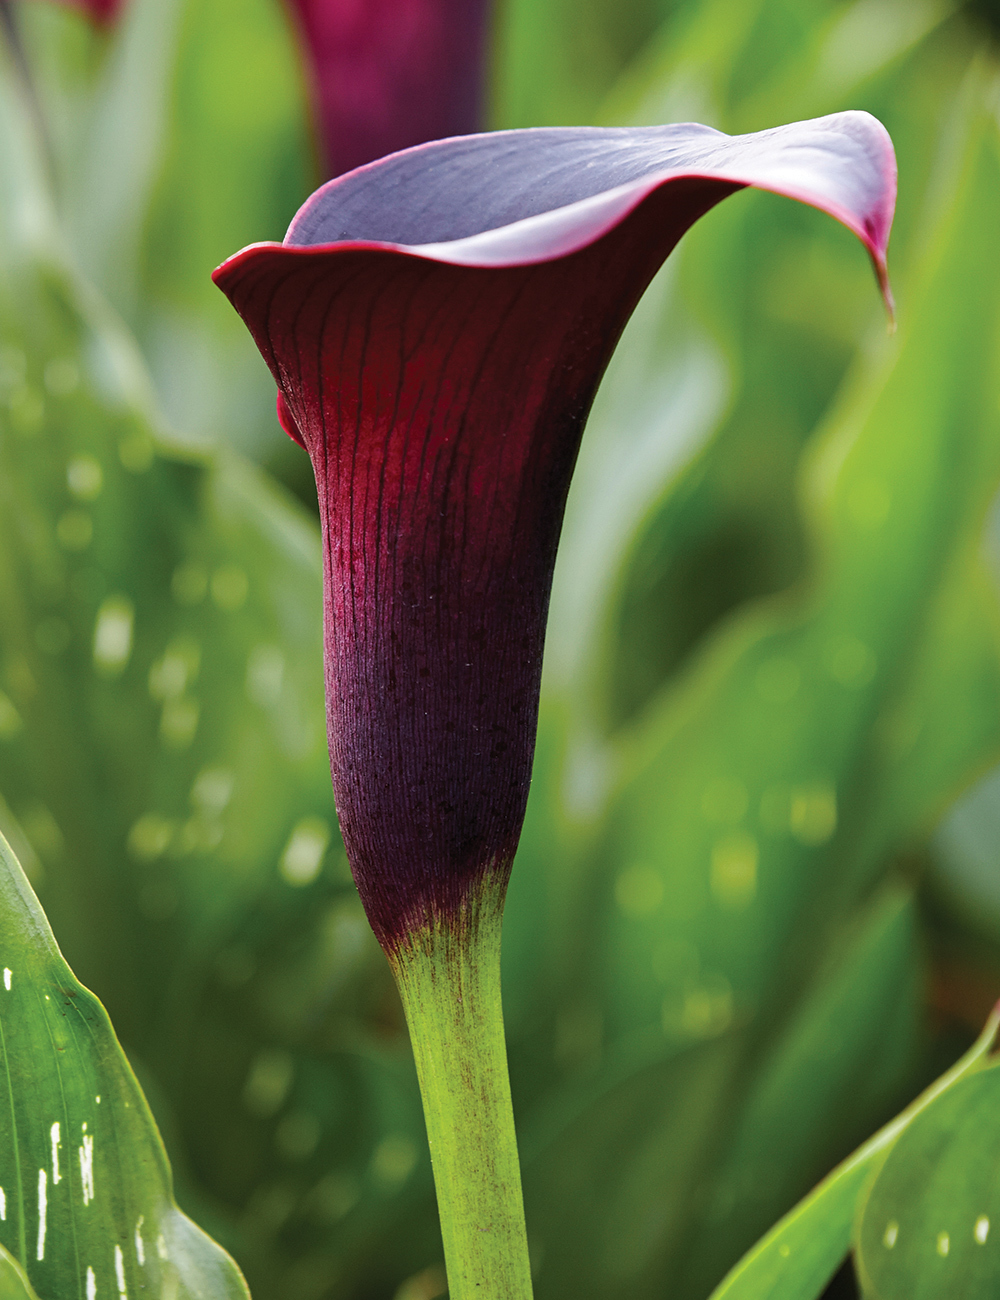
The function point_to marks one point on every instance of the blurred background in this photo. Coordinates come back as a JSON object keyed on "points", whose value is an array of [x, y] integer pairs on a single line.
{"points": [[757, 902]]}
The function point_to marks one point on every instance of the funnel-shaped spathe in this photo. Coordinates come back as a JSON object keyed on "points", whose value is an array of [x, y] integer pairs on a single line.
{"points": [[437, 323]]}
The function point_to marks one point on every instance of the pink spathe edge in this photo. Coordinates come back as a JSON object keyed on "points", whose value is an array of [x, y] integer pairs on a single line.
{"points": [[562, 231]]}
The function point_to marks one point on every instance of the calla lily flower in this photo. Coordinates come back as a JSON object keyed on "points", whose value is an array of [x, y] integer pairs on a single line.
{"points": [[437, 324], [386, 74]]}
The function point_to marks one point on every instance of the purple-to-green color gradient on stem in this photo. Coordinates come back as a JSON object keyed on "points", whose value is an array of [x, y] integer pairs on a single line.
{"points": [[437, 324]]}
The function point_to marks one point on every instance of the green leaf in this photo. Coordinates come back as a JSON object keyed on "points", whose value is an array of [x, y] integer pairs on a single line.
{"points": [[88, 1203], [557, 58], [163, 755], [161, 645], [925, 1226], [766, 310], [765, 792], [646, 1130], [180, 138], [14, 1284], [795, 1260], [614, 1167], [763, 788], [237, 161], [840, 1055]]}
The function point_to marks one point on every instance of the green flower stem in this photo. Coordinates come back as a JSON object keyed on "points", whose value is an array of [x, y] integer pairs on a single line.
{"points": [[449, 980]]}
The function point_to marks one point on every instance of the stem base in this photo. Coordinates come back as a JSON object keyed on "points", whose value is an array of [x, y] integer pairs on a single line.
{"points": [[449, 981]]}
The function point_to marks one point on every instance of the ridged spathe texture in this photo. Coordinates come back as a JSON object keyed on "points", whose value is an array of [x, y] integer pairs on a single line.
{"points": [[437, 324]]}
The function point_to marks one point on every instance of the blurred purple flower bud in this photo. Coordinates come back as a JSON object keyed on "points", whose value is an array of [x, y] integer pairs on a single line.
{"points": [[387, 74], [101, 12]]}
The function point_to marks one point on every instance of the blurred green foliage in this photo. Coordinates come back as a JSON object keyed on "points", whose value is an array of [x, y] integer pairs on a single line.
{"points": [[744, 927]]}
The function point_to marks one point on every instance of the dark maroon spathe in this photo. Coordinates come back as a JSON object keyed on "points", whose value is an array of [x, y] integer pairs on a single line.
{"points": [[441, 393]]}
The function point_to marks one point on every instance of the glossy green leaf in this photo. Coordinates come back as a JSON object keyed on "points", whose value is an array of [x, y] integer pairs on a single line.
{"points": [[796, 1259], [14, 1284], [87, 1202], [927, 1221]]}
